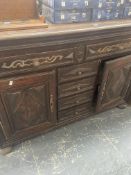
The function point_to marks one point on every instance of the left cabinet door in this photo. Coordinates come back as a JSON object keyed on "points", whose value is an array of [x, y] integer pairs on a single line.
{"points": [[28, 104]]}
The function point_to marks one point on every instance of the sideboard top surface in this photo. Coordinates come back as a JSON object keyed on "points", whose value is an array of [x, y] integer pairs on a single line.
{"points": [[55, 30]]}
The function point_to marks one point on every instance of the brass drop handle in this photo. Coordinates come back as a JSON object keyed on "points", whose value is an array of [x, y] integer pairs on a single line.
{"points": [[4, 132], [52, 103]]}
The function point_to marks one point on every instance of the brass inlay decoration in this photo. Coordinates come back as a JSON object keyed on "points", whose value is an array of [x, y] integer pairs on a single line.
{"points": [[112, 48], [35, 62]]}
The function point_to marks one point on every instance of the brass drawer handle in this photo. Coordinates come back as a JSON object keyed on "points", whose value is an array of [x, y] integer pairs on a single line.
{"points": [[52, 103], [3, 130]]}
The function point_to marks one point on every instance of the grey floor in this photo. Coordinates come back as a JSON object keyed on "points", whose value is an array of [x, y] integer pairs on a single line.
{"points": [[99, 145]]}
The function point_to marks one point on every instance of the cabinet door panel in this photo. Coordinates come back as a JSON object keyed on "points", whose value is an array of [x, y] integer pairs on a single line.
{"points": [[25, 106], [29, 102], [115, 83], [2, 137]]}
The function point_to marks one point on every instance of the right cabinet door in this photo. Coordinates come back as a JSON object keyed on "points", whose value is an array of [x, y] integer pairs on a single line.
{"points": [[115, 83]]}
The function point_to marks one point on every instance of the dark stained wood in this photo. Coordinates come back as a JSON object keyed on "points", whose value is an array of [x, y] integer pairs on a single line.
{"points": [[78, 99], [75, 87], [108, 48], [78, 71], [128, 96], [2, 137], [76, 112], [29, 102], [37, 61], [52, 77], [115, 83]]}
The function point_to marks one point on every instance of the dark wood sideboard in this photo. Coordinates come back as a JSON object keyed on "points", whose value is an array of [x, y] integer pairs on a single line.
{"points": [[52, 77]]}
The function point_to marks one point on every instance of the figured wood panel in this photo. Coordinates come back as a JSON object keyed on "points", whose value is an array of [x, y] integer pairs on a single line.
{"points": [[18, 9], [28, 107], [29, 102], [115, 83]]}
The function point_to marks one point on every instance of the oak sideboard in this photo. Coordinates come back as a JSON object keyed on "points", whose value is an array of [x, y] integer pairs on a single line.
{"points": [[56, 76]]}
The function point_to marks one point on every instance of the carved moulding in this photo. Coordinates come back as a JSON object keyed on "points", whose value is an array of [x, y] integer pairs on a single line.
{"points": [[80, 53]]}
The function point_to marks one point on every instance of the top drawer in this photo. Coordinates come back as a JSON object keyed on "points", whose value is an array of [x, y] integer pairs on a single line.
{"points": [[77, 71], [108, 48], [37, 61]]}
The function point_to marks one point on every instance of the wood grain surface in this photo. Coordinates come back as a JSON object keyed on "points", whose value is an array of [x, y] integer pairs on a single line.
{"points": [[18, 9]]}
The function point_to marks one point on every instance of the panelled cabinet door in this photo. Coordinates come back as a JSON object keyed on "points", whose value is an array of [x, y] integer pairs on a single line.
{"points": [[128, 96], [115, 83], [2, 137], [29, 103]]}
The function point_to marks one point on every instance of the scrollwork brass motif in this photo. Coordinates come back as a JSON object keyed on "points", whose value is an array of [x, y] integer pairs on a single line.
{"points": [[112, 48], [35, 62]]}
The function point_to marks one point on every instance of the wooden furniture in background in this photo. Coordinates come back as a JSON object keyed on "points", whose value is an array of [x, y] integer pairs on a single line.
{"points": [[20, 14]]}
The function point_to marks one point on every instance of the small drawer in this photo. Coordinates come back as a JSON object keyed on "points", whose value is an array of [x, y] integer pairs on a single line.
{"points": [[75, 112], [75, 100], [78, 71], [68, 89]]}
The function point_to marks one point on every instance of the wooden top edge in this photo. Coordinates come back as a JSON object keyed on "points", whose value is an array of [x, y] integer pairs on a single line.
{"points": [[64, 29]]}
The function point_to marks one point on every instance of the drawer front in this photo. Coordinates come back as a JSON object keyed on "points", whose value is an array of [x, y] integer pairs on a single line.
{"points": [[75, 112], [75, 100], [76, 87], [78, 71], [37, 60], [107, 48]]}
